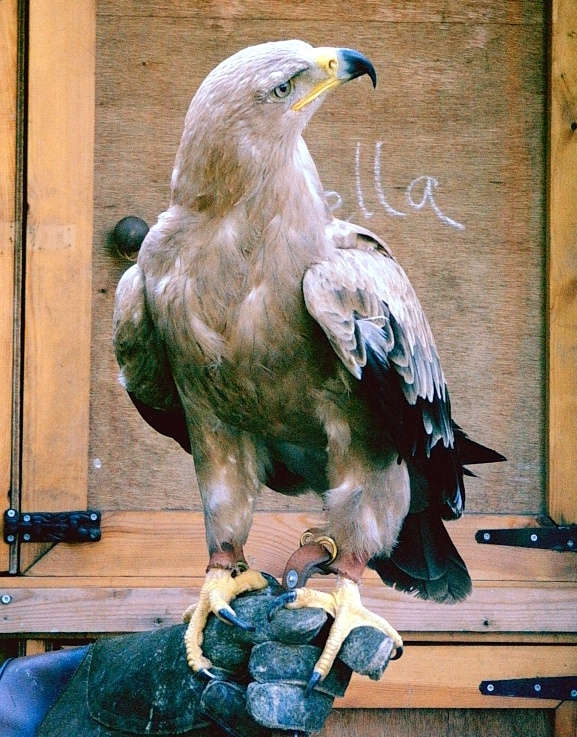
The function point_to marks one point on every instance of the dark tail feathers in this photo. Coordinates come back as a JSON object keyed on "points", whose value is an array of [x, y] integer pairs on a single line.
{"points": [[425, 562], [471, 452]]}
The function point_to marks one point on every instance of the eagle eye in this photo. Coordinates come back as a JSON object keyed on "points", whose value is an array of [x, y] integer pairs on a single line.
{"points": [[283, 90]]}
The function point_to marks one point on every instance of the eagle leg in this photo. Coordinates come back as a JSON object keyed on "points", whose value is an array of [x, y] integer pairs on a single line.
{"points": [[345, 606], [220, 587]]}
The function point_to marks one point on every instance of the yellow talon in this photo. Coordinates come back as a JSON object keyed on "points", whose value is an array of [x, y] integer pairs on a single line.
{"points": [[218, 589], [345, 606]]}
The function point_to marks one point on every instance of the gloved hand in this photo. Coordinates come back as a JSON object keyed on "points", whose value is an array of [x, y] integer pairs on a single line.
{"points": [[141, 684], [264, 673]]}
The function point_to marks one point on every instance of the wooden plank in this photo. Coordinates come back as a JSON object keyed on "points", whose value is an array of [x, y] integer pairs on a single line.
{"points": [[562, 265], [8, 96], [437, 723], [35, 647], [491, 608], [427, 675], [565, 719], [447, 677], [395, 11], [156, 543], [59, 247]]}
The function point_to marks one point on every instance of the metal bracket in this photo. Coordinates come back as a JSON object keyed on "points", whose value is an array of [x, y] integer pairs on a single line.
{"points": [[560, 688], [550, 537], [51, 527]]}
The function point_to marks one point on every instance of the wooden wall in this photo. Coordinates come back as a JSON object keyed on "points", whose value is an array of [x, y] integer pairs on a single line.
{"points": [[445, 160]]}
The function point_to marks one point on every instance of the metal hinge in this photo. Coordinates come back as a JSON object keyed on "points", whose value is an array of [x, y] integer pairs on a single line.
{"points": [[51, 527], [548, 537], [560, 688]]}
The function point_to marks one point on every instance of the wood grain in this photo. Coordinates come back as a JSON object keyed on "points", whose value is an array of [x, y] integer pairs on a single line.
{"points": [[154, 544], [126, 608], [446, 677], [395, 11], [440, 675], [563, 265], [8, 94], [58, 253], [566, 719], [35, 647], [438, 723]]}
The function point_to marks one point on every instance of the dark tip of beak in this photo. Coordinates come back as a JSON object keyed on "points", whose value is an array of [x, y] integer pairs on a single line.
{"points": [[355, 65]]}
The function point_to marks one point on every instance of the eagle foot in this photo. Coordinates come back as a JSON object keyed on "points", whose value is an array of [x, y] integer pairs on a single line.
{"points": [[218, 590], [344, 605]]}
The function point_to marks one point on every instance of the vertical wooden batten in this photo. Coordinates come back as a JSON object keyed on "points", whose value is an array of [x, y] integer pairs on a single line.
{"points": [[562, 273], [566, 719], [8, 97], [58, 256], [562, 287]]}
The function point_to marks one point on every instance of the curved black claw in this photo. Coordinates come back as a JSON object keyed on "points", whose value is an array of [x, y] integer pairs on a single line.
{"points": [[207, 674], [286, 598], [227, 616], [314, 680], [398, 653], [213, 675]]}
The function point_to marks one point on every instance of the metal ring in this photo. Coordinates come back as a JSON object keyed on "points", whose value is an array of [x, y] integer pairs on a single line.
{"points": [[307, 537], [324, 540], [330, 545]]}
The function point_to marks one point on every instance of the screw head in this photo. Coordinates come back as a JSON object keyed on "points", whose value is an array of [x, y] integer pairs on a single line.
{"points": [[490, 687], [26, 537], [93, 516], [11, 513], [574, 693], [534, 538], [537, 687], [486, 536], [570, 543], [5, 598], [26, 518], [10, 539], [291, 578]]}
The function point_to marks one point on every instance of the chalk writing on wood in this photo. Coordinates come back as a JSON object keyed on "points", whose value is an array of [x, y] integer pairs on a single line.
{"points": [[419, 194]]}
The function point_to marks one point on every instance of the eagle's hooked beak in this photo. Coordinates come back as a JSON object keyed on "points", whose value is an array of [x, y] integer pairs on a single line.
{"points": [[340, 65]]}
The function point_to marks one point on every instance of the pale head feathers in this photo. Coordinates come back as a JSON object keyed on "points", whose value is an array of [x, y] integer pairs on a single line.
{"points": [[237, 131]]}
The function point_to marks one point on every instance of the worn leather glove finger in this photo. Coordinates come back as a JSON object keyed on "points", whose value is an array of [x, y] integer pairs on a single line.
{"points": [[367, 651], [278, 698], [225, 703], [229, 647]]}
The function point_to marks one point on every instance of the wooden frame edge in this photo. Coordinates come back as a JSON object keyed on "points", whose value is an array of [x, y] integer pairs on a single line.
{"points": [[58, 280], [562, 267], [8, 228]]}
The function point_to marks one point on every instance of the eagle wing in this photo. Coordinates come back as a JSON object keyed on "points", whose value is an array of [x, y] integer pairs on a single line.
{"points": [[145, 370], [366, 306], [368, 309]]}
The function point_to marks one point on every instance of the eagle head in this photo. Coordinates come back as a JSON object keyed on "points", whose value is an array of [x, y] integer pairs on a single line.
{"points": [[253, 107]]}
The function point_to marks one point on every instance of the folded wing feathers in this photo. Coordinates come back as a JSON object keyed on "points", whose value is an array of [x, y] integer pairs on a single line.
{"points": [[363, 300], [140, 351]]}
